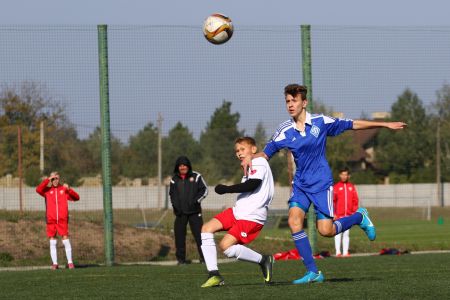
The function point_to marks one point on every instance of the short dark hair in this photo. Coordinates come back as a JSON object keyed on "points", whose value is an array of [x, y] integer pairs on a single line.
{"points": [[344, 169], [295, 89], [249, 140]]}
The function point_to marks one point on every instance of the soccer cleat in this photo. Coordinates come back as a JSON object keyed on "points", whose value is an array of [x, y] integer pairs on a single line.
{"points": [[213, 281], [266, 265], [347, 255], [367, 225], [55, 267], [71, 266], [339, 255], [310, 277]]}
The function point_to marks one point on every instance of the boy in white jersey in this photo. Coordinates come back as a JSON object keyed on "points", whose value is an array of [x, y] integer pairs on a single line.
{"points": [[245, 220]]}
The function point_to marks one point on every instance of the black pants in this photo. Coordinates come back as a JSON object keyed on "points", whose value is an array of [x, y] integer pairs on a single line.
{"points": [[196, 223]]}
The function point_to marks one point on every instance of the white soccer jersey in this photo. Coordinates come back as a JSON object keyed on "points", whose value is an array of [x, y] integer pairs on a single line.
{"points": [[253, 206]]}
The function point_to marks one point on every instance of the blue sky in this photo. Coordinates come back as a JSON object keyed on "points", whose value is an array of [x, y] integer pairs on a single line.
{"points": [[356, 68], [243, 12]]}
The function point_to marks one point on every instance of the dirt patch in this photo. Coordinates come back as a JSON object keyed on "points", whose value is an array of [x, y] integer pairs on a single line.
{"points": [[25, 242]]}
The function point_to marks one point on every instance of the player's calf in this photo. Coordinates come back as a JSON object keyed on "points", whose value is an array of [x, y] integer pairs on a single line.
{"points": [[326, 228]]}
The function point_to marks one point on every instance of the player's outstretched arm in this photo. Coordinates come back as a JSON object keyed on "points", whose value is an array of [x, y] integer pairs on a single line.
{"points": [[246, 163], [248, 186], [363, 124]]}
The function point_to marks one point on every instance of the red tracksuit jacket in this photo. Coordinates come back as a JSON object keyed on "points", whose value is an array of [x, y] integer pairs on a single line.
{"points": [[56, 205], [345, 199]]}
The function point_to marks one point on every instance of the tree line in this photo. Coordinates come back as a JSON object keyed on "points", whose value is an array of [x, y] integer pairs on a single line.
{"points": [[405, 156]]}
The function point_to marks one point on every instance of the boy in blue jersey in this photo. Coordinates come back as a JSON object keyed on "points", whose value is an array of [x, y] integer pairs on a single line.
{"points": [[305, 135]]}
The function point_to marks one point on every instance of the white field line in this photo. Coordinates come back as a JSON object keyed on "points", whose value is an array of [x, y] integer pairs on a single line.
{"points": [[225, 260]]}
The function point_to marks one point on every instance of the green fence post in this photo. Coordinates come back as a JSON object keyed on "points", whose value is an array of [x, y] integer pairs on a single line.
{"points": [[307, 81], [106, 143]]}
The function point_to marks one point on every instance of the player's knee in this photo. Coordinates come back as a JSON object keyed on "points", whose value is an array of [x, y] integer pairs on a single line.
{"points": [[206, 228], [295, 223]]}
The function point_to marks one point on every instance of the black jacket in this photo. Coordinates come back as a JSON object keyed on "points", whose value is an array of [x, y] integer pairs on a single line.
{"points": [[186, 194]]}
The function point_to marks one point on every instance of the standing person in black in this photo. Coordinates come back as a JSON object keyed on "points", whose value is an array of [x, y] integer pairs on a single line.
{"points": [[187, 190]]}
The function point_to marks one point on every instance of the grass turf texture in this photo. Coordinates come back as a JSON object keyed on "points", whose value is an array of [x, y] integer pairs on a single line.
{"points": [[374, 277], [402, 228]]}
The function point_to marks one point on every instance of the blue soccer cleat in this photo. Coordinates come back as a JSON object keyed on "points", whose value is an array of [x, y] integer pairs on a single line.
{"points": [[367, 225], [310, 277]]}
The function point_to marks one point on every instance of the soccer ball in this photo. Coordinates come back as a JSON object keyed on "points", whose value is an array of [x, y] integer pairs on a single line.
{"points": [[217, 29]]}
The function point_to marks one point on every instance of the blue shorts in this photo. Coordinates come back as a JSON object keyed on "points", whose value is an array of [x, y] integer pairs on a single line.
{"points": [[322, 201]]}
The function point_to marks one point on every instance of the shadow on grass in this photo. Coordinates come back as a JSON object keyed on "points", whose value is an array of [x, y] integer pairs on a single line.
{"points": [[280, 283], [84, 266], [353, 279], [259, 284]]}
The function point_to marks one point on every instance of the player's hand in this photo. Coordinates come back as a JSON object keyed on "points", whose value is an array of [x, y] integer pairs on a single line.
{"points": [[220, 189], [246, 165], [396, 125], [66, 186]]}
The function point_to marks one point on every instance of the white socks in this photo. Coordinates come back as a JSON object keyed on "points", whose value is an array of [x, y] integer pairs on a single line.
{"points": [[243, 253], [53, 252], [209, 251], [238, 251], [345, 242], [345, 237], [68, 248]]}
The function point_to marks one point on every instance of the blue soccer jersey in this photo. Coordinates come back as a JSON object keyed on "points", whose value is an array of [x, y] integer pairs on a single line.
{"points": [[313, 173]]}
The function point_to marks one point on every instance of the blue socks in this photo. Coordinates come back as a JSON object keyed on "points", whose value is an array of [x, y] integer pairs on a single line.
{"points": [[346, 222], [304, 249]]}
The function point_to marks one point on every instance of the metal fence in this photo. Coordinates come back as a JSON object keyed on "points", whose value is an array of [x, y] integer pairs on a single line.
{"points": [[162, 75], [393, 195]]}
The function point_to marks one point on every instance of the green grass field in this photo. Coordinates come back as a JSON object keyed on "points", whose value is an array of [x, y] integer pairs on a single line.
{"points": [[402, 228], [374, 277]]}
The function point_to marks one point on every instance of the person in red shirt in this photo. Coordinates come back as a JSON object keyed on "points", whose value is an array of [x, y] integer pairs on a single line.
{"points": [[345, 202], [56, 196]]}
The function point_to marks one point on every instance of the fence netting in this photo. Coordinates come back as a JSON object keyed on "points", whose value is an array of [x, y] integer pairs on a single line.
{"points": [[168, 84]]}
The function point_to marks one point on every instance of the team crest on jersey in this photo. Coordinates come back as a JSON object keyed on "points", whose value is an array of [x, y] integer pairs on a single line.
{"points": [[61, 192], [315, 130], [51, 192], [252, 172], [243, 234]]}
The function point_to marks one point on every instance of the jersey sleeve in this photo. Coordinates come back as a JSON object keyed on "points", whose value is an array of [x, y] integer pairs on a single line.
{"points": [[73, 196], [277, 142], [42, 187], [258, 171], [337, 126], [271, 148]]}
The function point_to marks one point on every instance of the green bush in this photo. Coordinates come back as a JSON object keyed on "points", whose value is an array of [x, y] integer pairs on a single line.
{"points": [[6, 257], [32, 176]]}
